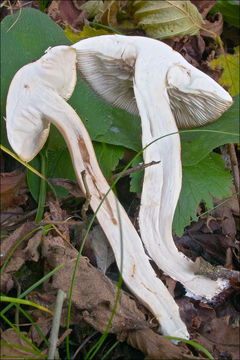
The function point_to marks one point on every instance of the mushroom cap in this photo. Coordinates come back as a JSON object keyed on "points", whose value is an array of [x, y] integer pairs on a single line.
{"points": [[195, 98], [27, 127], [107, 63]]}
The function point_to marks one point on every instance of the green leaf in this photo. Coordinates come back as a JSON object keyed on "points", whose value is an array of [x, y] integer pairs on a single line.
{"points": [[86, 32], [230, 10], [165, 19], [208, 177], [93, 7], [125, 130], [196, 145], [108, 157], [230, 75], [137, 177]]}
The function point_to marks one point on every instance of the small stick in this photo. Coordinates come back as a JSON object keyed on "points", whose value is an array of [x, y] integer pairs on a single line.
{"points": [[63, 337], [61, 222], [53, 339], [202, 267], [84, 343], [136, 168], [88, 196], [234, 164]]}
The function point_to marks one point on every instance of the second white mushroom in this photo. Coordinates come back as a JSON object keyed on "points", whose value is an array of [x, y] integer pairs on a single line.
{"points": [[145, 76]]}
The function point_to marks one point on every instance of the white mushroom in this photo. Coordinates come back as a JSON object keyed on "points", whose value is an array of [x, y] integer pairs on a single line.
{"points": [[146, 75], [35, 99]]}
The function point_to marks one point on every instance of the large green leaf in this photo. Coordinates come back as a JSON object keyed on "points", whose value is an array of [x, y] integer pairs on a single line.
{"points": [[208, 177], [164, 19], [230, 10], [196, 145], [108, 156], [229, 64], [200, 181]]}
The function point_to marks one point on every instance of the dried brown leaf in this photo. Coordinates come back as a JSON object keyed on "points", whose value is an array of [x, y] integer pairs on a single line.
{"points": [[108, 15], [13, 189], [57, 214], [10, 336], [71, 186], [26, 251], [94, 294], [204, 6], [9, 242], [103, 252], [213, 28], [156, 347]]}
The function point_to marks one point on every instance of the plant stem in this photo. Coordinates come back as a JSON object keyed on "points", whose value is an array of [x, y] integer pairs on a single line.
{"points": [[61, 296], [43, 186]]}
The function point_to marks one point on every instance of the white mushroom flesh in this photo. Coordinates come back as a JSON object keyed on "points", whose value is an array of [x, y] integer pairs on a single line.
{"points": [[164, 85], [28, 119]]}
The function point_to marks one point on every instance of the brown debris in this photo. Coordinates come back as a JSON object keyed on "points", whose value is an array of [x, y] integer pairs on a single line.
{"points": [[156, 347], [10, 336], [213, 28], [13, 189], [202, 267], [26, 251], [204, 6], [71, 186], [95, 296], [57, 214], [67, 13]]}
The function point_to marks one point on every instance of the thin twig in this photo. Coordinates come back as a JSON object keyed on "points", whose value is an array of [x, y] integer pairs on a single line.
{"points": [[235, 168], [88, 197], [202, 267], [84, 343], [53, 339], [136, 168], [63, 336], [61, 222]]}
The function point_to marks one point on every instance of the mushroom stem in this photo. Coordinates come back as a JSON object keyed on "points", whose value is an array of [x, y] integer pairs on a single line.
{"points": [[162, 186], [36, 98], [137, 271], [148, 77]]}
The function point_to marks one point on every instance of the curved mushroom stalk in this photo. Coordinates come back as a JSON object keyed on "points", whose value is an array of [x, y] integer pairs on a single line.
{"points": [[146, 76], [43, 86]]}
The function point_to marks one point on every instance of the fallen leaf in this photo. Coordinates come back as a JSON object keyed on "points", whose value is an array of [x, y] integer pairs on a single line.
{"points": [[224, 339], [26, 251], [93, 7], [213, 28], [9, 242], [164, 19], [230, 75], [101, 249], [108, 14], [44, 324], [156, 347], [13, 189], [10, 336], [70, 14], [93, 294], [71, 186], [204, 6], [57, 214], [86, 33]]}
